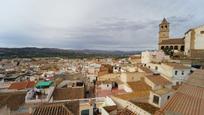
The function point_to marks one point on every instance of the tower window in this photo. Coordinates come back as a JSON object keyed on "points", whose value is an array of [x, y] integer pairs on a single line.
{"points": [[162, 27], [166, 26]]}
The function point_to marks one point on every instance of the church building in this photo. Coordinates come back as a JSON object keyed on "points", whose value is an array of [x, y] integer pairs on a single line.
{"points": [[191, 45], [165, 41]]}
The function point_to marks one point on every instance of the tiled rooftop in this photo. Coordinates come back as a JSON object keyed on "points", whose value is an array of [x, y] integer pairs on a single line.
{"points": [[68, 93], [67, 108], [177, 65], [158, 80], [103, 93], [146, 106], [134, 95], [54, 109], [172, 41], [12, 100], [189, 99], [22, 85], [125, 111], [139, 86]]}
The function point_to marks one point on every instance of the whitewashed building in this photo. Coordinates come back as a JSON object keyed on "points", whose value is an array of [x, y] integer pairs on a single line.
{"points": [[175, 72]]}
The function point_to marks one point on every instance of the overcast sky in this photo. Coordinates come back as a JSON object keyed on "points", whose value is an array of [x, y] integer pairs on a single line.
{"points": [[94, 24]]}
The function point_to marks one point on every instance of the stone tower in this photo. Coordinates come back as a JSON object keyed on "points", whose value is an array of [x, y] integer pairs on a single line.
{"points": [[163, 30]]}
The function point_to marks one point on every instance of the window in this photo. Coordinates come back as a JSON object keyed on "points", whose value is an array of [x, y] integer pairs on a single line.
{"points": [[166, 26], [176, 72], [201, 32], [156, 68], [85, 112], [156, 99], [161, 26], [176, 47], [182, 48], [182, 73], [168, 97]]}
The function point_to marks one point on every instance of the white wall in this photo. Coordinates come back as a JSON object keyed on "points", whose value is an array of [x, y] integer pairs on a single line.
{"points": [[199, 41], [145, 57], [127, 88], [106, 86], [187, 43], [166, 70], [162, 98], [169, 73], [131, 76]]}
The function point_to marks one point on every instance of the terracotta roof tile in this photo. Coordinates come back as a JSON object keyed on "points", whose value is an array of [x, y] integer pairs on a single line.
{"points": [[68, 93], [134, 95], [139, 86], [22, 85], [189, 99], [12, 100], [125, 111], [110, 108], [146, 106], [172, 41], [158, 80], [52, 109]]}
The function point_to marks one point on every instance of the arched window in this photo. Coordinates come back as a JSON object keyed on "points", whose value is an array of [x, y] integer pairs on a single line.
{"points": [[171, 47], [182, 48], [175, 47], [162, 47]]}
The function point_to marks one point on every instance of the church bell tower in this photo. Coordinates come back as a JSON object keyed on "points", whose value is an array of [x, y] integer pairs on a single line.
{"points": [[163, 30]]}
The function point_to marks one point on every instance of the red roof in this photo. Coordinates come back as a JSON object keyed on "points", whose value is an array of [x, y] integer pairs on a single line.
{"points": [[22, 85]]}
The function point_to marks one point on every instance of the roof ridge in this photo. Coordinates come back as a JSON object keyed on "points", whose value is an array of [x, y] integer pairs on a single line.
{"points": [[66, 109]]}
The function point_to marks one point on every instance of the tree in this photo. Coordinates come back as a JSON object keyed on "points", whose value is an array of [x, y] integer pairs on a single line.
{"points": [[168, 51]]}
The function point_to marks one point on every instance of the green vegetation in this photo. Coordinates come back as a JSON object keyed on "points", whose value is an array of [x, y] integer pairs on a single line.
{"points": [[168, 51]]}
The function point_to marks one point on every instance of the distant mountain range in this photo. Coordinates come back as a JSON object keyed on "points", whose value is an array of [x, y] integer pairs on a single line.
{"points": [[29, 52]]}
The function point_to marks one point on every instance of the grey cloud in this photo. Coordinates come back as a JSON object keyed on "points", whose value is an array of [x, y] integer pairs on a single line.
{"points": [[118, 25]]}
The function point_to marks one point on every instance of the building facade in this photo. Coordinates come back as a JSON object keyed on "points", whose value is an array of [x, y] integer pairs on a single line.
{"points": [[165, 42], [194, 39]]}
